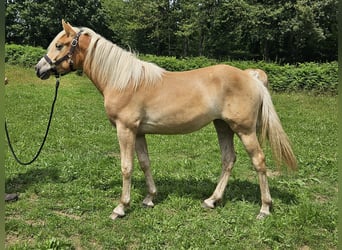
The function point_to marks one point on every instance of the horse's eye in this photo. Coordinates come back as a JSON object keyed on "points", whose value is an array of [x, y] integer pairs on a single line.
{"points": [[59, 46]]}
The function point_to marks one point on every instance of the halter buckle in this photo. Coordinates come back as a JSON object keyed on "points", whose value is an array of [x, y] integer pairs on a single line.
{"points": [[74, 42]]}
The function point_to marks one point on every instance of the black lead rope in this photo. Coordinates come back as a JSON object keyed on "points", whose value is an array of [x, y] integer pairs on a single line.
{"points": [[45, 136]]}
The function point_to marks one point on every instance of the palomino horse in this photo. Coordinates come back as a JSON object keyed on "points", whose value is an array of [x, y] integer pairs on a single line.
{"points": [[141, 98]]}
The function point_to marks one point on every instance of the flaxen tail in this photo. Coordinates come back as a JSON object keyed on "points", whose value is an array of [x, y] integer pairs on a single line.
{"points": [[271, 129]]}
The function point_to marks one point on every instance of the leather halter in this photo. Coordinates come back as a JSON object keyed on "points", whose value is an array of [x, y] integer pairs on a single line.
{"points": [[66, 57]]}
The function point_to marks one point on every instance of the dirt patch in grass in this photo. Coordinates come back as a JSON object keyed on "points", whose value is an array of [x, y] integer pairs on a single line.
{"points": [[70, 216], [14, 238]]}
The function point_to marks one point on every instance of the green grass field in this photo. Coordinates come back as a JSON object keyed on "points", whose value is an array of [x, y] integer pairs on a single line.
{"points": [[67, 195]]}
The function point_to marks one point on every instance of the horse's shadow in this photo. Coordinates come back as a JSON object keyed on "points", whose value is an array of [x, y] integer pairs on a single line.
{"points": [[200, 189], [23, 181]]}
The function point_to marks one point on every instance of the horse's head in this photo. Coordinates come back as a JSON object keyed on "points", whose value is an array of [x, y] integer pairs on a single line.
{"points": [[63, 54]]}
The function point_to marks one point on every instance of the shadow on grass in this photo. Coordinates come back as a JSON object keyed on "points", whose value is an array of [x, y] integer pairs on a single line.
{"points": [[23, 181], [237, 190], [198, 189]]}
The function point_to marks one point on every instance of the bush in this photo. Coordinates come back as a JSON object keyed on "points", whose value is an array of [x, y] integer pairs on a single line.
{"points": [[25, 56], [313, 77]]}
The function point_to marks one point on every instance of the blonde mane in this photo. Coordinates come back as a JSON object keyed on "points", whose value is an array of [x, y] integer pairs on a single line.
{"points": [[112, 65]]}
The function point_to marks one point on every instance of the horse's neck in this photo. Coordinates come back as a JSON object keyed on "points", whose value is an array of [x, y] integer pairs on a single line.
{"points": [[100, 86]]}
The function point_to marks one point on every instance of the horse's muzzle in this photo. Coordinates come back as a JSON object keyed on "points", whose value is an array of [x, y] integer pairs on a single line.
{"points": [[43, 69], [43, 75]]}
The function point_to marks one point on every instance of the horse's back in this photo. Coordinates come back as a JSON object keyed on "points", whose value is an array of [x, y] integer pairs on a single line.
{"points": [[222, 77]]}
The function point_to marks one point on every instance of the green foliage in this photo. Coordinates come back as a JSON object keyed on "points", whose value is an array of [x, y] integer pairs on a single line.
{"points": [[67, 196], [319, 78], [286, 30], [36, 23], [315, 77], [26, 56], [181, 64]]}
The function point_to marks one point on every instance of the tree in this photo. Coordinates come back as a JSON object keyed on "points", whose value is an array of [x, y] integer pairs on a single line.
{"points": [[281, 30], [37, 22]]}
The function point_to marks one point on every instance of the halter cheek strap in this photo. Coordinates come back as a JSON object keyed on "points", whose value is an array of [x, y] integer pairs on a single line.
{"points": [[68, 56]]}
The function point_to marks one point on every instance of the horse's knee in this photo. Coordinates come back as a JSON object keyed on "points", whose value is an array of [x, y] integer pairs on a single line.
{"points": [[126, 172]]}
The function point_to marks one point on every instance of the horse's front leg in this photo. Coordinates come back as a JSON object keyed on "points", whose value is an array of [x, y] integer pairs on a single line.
{"points": [[126, 137]]}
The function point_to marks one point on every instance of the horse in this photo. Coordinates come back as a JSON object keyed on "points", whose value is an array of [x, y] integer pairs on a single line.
{"points": [[142, 98], [259, 74]]}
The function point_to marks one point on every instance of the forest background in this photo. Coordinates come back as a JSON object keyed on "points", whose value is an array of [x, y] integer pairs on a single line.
{"points": [[282, 31]]}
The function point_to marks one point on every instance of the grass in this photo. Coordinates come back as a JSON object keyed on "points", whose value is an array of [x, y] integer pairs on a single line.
{"points": [[67, 195]]}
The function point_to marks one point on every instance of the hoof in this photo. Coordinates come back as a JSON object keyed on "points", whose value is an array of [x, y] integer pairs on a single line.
{"points": [[148, 204], [11, 197], [208, 204], [148, 201], [118, 212], [262, 215], [115, 216]]}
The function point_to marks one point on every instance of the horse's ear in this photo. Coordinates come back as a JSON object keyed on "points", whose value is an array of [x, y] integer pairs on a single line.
{"points": [[68, 29]]}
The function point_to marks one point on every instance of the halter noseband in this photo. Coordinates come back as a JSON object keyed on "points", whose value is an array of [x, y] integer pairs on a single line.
{"points": [[68, 56]]}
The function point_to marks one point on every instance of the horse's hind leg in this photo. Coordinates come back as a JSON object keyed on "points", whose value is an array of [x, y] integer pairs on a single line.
{"points": [[225, 137], [255, 152], [144, 161]]}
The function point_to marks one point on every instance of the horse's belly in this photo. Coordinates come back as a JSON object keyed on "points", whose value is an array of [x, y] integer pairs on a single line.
{"points": [[180, 112], [174, 125]]}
